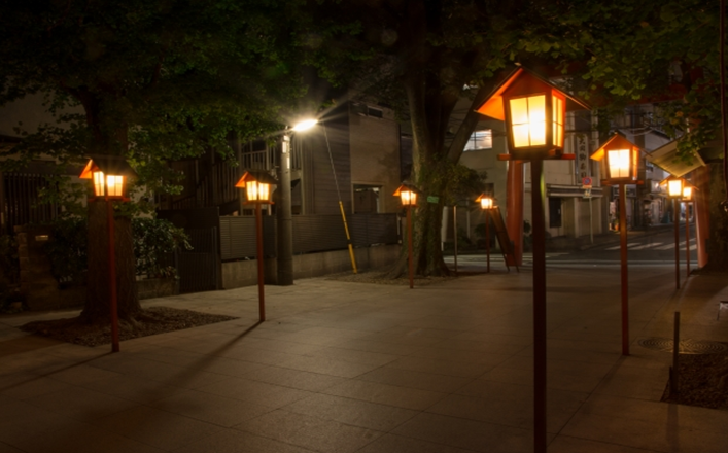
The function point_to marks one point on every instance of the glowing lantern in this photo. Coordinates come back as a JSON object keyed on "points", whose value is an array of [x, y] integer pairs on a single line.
{"points": [[257, 186], [620, 157], [110, 175], [408, 194], [534, 111]]}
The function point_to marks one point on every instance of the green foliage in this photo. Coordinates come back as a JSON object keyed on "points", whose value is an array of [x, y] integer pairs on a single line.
{"points": [[9, 260], [154, 238], [67, 251]]}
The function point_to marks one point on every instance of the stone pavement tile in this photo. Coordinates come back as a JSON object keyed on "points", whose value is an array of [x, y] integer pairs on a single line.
{"points": [[635, 382], [565, 444], [332, 367], [157, 428], [25, 343], [24, 385], [313, 433], [427, 332], [80, 403], [141, 391], [82, 374], [661, 436], [352, 355], [491, 344], [273, 344], [352, 412], [467, 434], [409, 340], [36, 362], [508, 404], [86, 438], [572, 367], [390, 443], [210, 408], [443, 367], [303, 380], [560, 353], [250, 353], [234, 441], [230, 367], [5, 448], [443, 353], [390, 395], [554, 380], [332, 332], [170, 353], [386, 347], [486, 337], [256, 392], [20, 420], [415, 379]]}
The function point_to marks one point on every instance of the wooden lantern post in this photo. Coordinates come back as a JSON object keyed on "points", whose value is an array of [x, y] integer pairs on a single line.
{"points": [[110, 175], [486, 204], [534, 110], [258, 190], [620, 158], [408, 195]]}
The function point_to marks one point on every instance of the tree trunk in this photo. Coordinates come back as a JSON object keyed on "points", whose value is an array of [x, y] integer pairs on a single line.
{"points": [[98, 294]]}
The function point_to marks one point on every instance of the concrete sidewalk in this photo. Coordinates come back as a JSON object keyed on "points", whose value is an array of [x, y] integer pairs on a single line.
{"points": [[350, 367]]}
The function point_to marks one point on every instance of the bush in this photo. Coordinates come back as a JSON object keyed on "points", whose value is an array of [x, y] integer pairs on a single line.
{"points": [[153, 239]]}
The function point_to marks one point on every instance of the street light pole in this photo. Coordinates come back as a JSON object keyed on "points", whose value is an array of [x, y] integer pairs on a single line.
{"points": [[283, 215], [623, 273]]}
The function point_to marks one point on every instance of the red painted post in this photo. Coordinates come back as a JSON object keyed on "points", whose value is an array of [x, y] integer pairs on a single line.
{"points": [[538, 233], [112, 278], [514, 210], [409, 246], [676, 223], [624, 274], [687, 238], [487, 241], [260, 258]]}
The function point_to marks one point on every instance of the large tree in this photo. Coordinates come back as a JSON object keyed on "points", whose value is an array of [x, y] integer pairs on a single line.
{"points": [[152, 80], [423, 56]]}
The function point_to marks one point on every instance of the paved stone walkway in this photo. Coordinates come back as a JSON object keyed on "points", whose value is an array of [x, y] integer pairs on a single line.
{"points": [[345, 367]]}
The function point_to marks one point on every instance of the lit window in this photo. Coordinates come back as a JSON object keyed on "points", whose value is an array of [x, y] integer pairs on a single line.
{"points": [[480, 140]]}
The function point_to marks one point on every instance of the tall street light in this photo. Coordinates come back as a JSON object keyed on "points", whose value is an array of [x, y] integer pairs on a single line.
{"points": [[283, 213], [110, 174], [486, 204], [675, 192], [620, 157], [258, 191], [408, 195], [534, 111]]}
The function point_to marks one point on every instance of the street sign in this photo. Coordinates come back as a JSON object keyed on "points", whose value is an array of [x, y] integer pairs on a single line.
{"points": [[586, 182], [587, 193], [433, 199]]}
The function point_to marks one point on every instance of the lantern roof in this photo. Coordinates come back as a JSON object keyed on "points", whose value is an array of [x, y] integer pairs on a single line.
{"points": [[404, 187], [256, 175], [110, 164], [523, 81], [617, 141], [477, 200], [673, 178]]}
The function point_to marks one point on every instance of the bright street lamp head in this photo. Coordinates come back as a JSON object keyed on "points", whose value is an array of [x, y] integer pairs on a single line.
{"points": [[674, 186], [408, 194], [304, 125], [257, 186]]}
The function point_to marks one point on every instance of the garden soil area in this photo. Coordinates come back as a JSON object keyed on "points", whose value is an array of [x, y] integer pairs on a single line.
{"points": [[703, 381], [152, 321]]}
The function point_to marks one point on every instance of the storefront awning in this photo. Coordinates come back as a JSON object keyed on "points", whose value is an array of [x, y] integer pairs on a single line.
{"points": [[666, 158]]}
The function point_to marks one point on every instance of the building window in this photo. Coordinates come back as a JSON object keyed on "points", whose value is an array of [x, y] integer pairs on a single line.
{"points": [[480, 140]]}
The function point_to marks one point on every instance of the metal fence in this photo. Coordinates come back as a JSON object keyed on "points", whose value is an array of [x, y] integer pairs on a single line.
{"points": [[311, 233]]}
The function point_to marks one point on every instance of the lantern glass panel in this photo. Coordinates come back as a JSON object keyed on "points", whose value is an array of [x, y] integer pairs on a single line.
{"points": [[115, 185], [486, 203], [257, 191], [558, 114], [528, 119], [619, 163], [409, 198], [687, 193], [674, 187], [99, 183]]}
